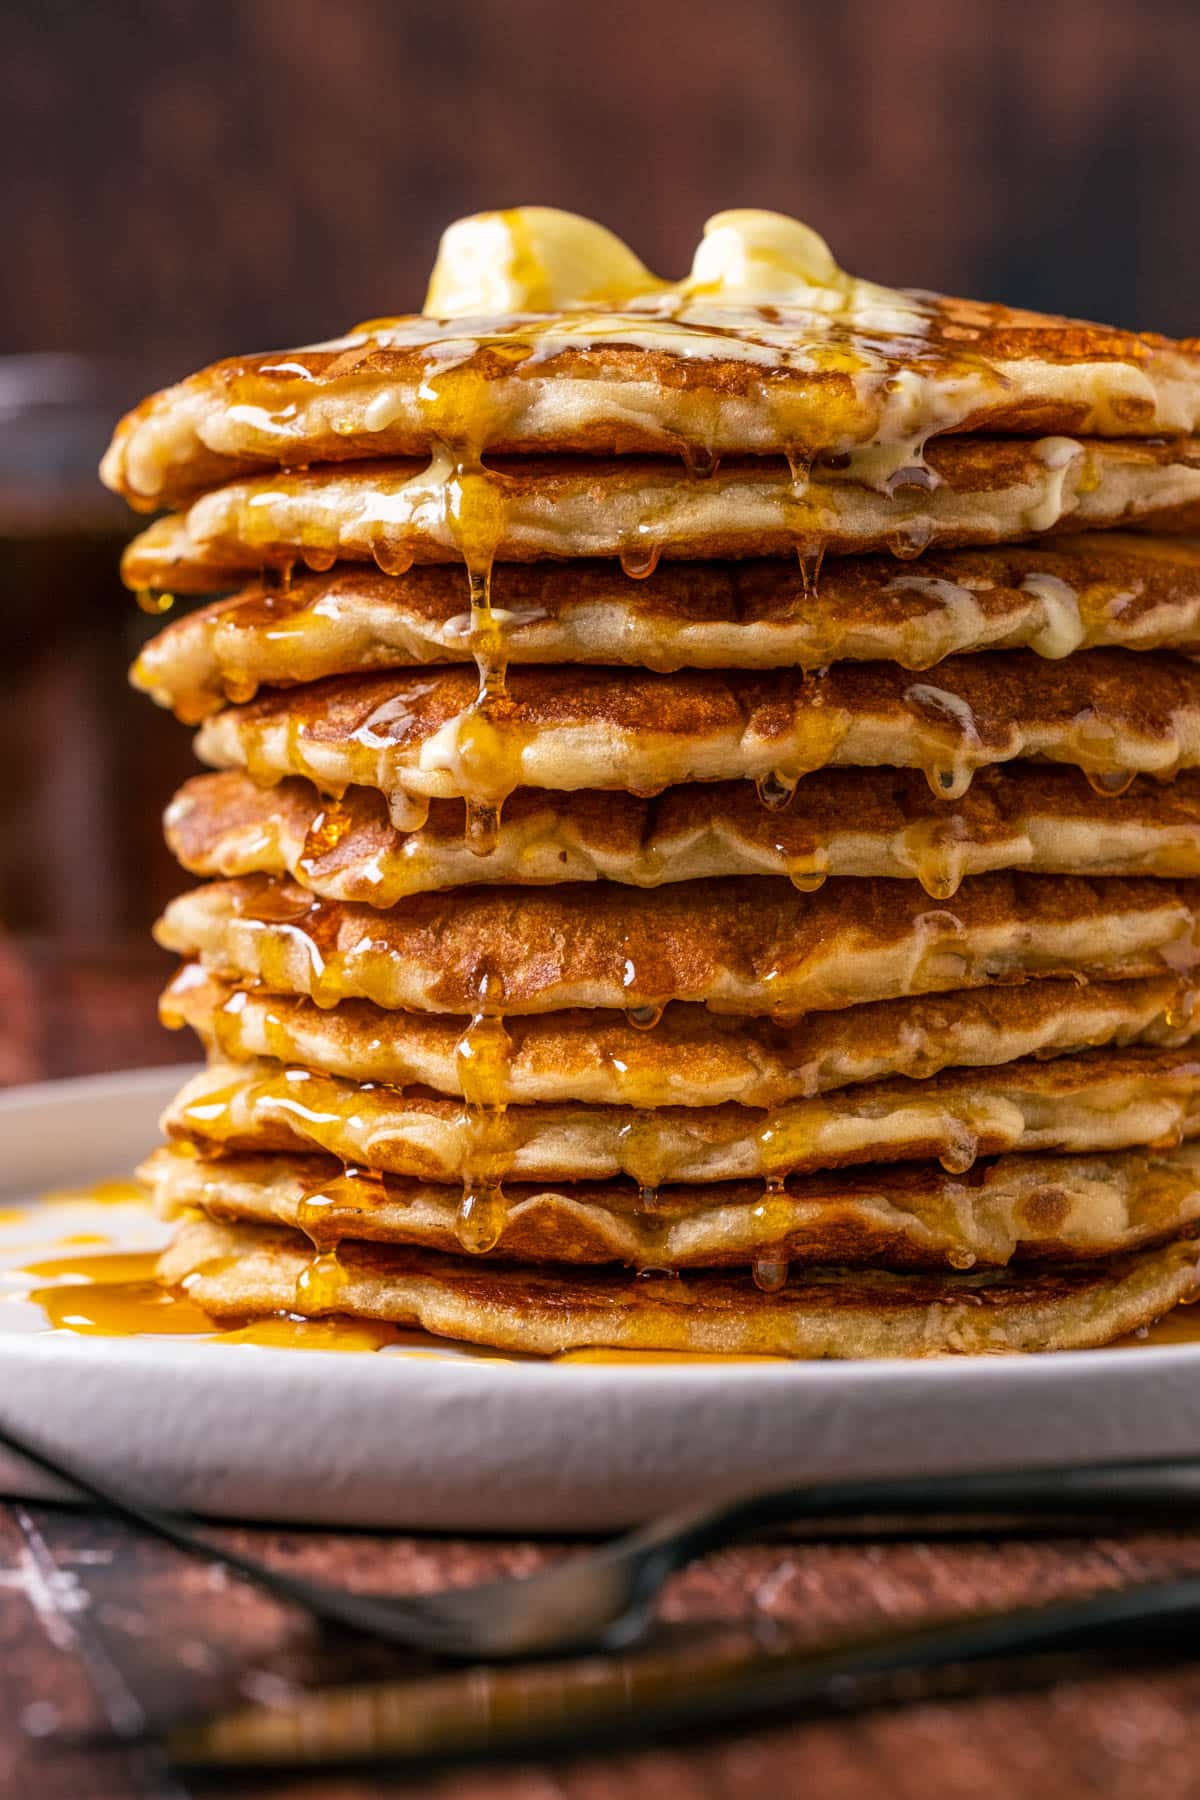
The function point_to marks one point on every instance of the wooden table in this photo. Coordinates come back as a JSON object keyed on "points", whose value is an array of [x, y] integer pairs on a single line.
{"points": [[73, 1586]]}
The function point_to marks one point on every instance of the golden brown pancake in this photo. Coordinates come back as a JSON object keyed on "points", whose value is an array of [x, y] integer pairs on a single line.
{"points": [[420, 734], [544, 331], [1054, 598], [1048, 1208], [839, 822], [1105, 1100], [692, 1056], [988, 491], [738, 946], [239, 1271]]}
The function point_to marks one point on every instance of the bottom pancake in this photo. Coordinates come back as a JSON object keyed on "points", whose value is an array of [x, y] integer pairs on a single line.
{"points": [[239, 1271], [1059, 1208]]}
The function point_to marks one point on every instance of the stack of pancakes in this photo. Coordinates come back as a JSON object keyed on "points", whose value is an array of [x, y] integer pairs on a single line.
{"points": [[704, 851]]}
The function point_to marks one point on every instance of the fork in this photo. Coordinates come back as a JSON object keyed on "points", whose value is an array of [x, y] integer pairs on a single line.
{"points": [[603, 1599]]}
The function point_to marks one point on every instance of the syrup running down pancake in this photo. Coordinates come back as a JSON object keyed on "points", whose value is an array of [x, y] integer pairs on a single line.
{"points": [[1097, 1102], [980, 491], [422, 735]]}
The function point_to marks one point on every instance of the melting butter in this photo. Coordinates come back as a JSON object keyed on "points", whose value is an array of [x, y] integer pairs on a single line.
{"points": [[536, 259]]}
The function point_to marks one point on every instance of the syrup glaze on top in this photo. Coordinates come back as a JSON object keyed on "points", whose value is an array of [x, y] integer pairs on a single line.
{"points": [[553, 334]]}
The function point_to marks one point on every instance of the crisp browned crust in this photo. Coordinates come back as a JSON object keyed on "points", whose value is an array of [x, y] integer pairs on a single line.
{"points": [[1054, 598], [740, 946], [1106, 711], [235, 1271], [839, 822]]}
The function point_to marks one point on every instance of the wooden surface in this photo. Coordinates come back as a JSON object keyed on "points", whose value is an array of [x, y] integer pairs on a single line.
{"points": [[93, 1622], [81, 1605]]}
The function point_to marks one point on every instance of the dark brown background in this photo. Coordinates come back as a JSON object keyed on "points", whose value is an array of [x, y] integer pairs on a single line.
{"points": [[193, 177]]}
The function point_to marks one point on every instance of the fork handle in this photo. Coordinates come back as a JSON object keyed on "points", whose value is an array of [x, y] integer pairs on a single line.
{"points": [[1168, 1486]]}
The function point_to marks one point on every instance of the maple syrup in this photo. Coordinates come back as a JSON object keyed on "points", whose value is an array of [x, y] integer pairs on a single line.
{"points": [[116, 1293], [483, 1064]]}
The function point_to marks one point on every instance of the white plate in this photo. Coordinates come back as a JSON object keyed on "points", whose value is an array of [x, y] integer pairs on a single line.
{"points": [[450, 1441]]}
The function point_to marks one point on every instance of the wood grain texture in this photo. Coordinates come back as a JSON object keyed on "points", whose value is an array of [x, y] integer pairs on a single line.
{"points": [[91, 1620]]}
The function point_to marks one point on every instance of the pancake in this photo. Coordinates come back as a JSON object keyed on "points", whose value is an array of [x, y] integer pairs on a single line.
{"points": [[1104, 1100], [547, 333], [1108, 712], [692, 1057], [738, 946], [839, 822], [1044, 1208], [240, 1271], [984, 491], [1054, 598]]}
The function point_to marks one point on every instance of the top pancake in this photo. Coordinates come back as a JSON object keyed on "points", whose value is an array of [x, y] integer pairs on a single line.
{"points": [[542, 332], [1054, 598], [975, 490]]}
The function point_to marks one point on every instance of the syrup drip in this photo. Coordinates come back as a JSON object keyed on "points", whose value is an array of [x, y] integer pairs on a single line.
{"points": [[937, 851], [644, 1018], [806, 870], [153, 601], [460, 405], [810, 558], [700, 462], [770, 1277], [394, 559], [483, 1057], [776, 789], [911, 539], [322, 1284], [317, 1206], [961, 1148], [318, 560], [950, 716], [1179, 1009], [913, 475], [326, 832], [639, 565], [1110, 783], [799, 464]]}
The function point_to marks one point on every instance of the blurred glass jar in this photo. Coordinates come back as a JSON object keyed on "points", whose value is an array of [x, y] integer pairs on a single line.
{"points": [[88, 764]]}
